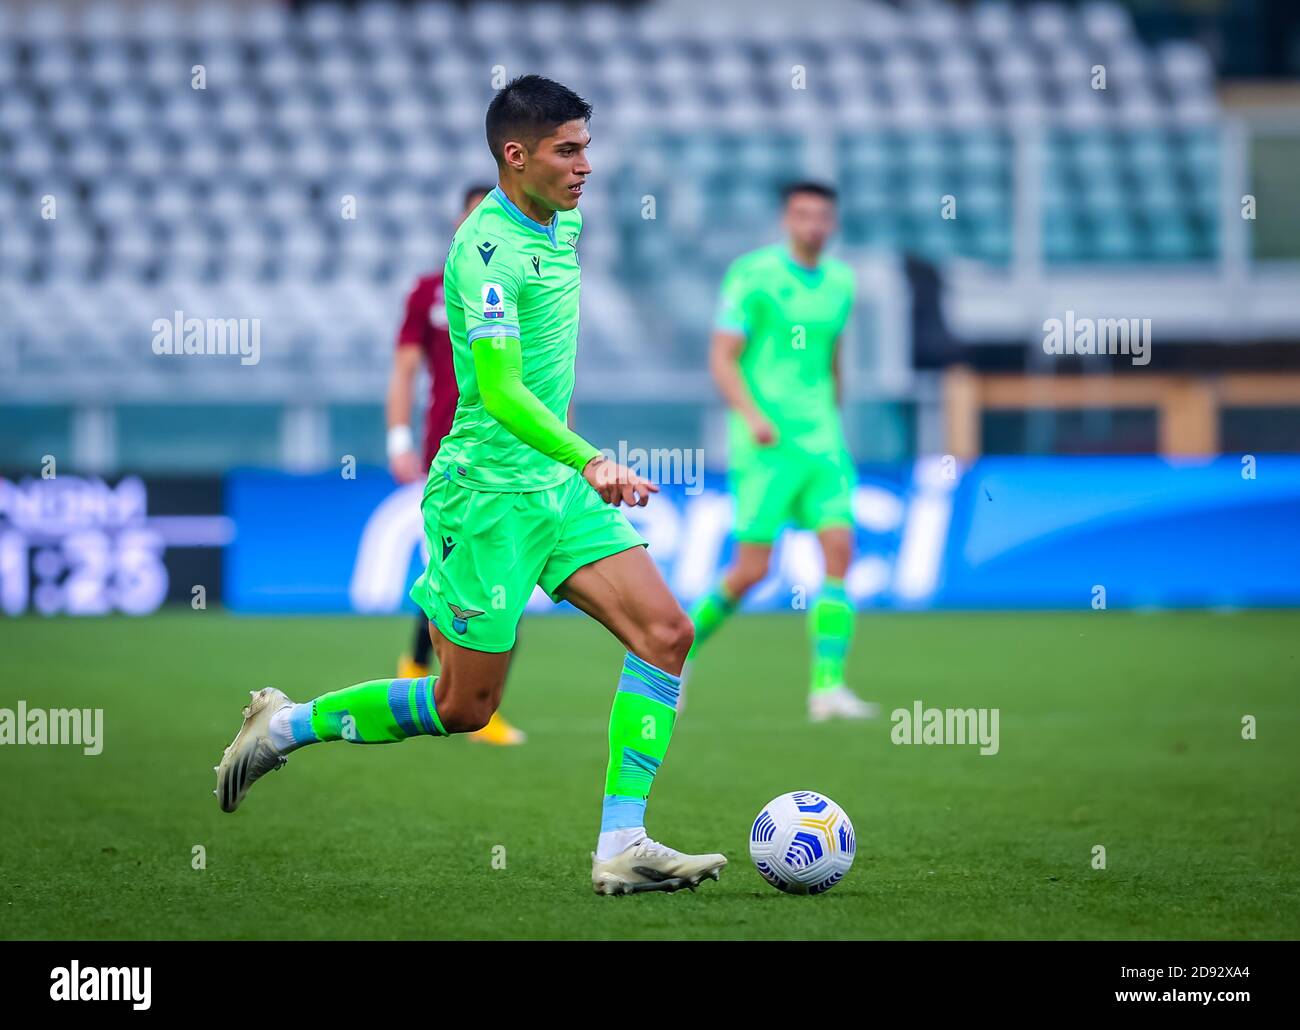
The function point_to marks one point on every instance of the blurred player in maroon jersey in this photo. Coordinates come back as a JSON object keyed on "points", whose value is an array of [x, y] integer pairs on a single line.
{"points": [[423, 338]]}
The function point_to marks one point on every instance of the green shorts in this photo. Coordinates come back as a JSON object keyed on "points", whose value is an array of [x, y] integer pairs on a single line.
{"points": [[487, 551], [779, 486]]}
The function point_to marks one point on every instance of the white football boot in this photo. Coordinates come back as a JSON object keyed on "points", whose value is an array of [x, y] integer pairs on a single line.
{"points": [[251, 754], [839, 703], [650, 866]]}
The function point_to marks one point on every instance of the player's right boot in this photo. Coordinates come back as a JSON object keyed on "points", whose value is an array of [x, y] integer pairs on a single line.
{"points": [[650, 866], [250, 755], [839, 703]]}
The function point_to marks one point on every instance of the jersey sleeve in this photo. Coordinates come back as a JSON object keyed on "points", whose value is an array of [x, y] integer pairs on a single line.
{"points": [[499, 367], [411, 333], [734, 302], [486, 282]]}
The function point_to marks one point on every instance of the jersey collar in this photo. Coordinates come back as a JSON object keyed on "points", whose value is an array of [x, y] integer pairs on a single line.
{"points": [[811, 276], [512, 209]]}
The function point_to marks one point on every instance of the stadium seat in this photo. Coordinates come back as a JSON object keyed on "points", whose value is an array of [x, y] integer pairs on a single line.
{"points": [[239, 185]]}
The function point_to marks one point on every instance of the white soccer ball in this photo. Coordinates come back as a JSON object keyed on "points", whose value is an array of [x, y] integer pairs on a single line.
{"points": [[802, 843]]}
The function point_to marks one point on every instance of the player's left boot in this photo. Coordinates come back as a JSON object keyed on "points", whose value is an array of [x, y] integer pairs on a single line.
{"points": [[250, 755], [839, 702], [650, 866], [499, 732]]}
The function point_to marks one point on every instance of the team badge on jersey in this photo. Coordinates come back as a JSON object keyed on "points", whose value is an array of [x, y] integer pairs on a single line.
{"points": [[494, 301], [460, 617]]}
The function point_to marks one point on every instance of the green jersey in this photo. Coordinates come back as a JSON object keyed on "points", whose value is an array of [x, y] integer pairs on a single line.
{"points": [[791, 317], [509, 276]]}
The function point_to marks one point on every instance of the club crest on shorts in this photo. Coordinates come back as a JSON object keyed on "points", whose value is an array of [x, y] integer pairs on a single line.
{"points": [[460, 617], [494, 301]]}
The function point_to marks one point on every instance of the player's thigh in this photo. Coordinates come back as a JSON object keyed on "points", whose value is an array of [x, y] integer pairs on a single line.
{"points": [[590, 530], [625, 593], [826, 501], [764, 488], [601, 566], [487, 552]]}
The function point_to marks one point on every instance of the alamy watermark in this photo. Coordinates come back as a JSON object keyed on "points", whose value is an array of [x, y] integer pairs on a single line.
{"points": [[74, 982], [209, 337], [83, 727], [662, 465], [921, 725], [1098, 336]]}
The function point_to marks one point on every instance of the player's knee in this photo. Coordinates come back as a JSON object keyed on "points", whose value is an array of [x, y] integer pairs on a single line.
{"points": [[671, 637], [476, 719], [461, 711], [464, 715]]}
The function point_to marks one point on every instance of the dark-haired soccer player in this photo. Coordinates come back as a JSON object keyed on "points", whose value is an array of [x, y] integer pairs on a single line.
{"points": [[774, 356], [424, 339], [514, 499]]}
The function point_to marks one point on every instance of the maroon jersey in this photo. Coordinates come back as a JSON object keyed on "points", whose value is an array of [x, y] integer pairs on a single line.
{"points": [[425, 326]]}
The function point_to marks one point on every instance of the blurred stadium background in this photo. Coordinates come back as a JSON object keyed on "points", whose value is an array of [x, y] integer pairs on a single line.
{"points": [[1116, 160]]}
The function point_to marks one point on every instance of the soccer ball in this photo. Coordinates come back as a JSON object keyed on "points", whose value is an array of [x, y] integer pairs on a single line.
{"points": [[802, 843]]}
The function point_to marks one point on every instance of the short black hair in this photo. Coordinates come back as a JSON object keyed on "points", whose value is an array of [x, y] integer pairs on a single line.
{"points": [[527, 109], [817, 189], [477, 190]]}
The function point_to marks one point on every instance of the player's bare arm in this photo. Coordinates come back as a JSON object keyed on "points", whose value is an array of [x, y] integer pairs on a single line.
{"points": [[724, 363], [403, 462]]}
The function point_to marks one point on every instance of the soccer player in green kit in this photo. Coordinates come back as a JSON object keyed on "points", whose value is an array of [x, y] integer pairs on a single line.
{"points": [[775, 357], [515, 499]]}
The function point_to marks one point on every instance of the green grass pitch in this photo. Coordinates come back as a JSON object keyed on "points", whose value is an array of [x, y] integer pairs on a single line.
{"points": [[1117, 729]]}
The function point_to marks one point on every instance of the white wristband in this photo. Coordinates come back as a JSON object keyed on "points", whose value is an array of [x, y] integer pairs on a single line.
{"points": [[400, 440]]}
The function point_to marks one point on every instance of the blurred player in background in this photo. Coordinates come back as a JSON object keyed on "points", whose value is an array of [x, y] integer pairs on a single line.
{"points": [[775, 358], [423, 338]]}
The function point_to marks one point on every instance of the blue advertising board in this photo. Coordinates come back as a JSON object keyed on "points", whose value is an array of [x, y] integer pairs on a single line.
{"points": [[1014, 532]]}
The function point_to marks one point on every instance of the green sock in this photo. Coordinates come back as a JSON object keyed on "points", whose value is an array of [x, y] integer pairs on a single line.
{"points": [[377, 712], [830, 625], [640, 727], [710, 612]]}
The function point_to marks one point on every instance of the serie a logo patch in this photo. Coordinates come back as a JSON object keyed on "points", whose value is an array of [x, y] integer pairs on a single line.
{"points": [[494, 301]]}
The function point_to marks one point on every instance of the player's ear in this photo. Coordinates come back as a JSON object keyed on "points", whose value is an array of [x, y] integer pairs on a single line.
{"points": [[513, 154]]}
